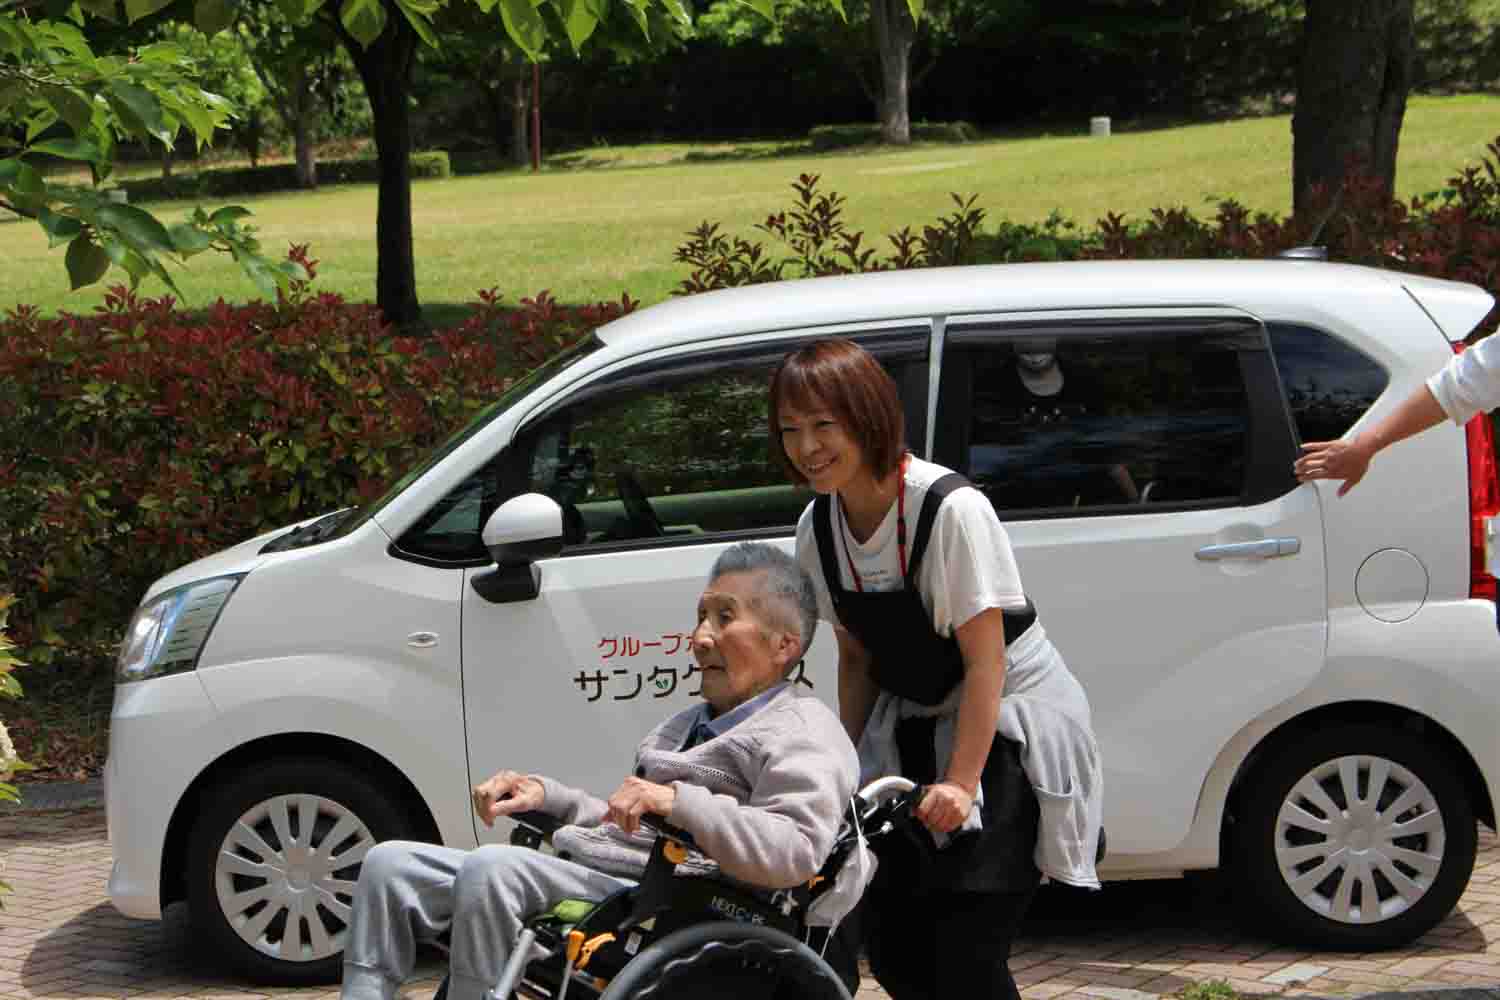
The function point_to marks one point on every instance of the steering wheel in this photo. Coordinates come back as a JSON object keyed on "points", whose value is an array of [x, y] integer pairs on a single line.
{"points": [[643, 519]]}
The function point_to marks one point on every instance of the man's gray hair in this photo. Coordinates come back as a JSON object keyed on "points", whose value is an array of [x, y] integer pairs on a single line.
{"points": [[786, 599]]}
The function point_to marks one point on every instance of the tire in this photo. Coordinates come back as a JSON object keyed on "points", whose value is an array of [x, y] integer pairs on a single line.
{"points": [[727, 961], [251, 866], [1314, 852]]}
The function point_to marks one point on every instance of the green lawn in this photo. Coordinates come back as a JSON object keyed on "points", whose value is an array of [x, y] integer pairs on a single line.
{"points": [[606, 221]]}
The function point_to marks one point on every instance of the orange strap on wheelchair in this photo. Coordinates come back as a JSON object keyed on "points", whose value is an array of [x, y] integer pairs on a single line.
{"points": [[580, 957], [674, 852]]}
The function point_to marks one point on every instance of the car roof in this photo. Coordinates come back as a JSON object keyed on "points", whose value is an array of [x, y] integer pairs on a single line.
{"points": [[1280, 286]]}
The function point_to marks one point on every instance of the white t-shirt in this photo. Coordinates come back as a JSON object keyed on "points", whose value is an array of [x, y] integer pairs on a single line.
{"points": [[968, 566], [1470, 383]]}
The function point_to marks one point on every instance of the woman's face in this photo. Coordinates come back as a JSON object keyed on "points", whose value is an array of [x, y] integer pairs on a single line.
{"points": [[820, 447]]}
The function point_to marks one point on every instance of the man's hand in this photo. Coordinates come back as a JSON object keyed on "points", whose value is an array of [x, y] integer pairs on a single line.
{"points": [[944, 807], [636, 797], [1346, 460], [507, 793]]}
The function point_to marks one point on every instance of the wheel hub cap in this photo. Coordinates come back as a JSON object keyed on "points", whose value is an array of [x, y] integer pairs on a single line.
{"points": [[1359, 839], [286, 872]]}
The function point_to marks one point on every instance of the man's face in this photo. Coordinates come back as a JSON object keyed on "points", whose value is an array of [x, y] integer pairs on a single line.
{"points": [[739, 654]]}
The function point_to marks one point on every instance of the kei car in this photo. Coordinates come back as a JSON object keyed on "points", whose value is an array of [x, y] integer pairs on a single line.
{"points": [[1297, 688]]}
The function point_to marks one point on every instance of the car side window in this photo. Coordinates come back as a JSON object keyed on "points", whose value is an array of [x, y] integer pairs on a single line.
{"points": [[1099, 422], [675, 449], [684, 453], [1328, 383]]}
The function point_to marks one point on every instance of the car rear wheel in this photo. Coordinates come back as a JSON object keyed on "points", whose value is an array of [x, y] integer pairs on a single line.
{"points": [[1355, 838], [273, 860]]}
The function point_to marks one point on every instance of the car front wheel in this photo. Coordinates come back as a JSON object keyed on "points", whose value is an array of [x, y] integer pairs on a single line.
{"points": [[273, 860], [1357, 837]]}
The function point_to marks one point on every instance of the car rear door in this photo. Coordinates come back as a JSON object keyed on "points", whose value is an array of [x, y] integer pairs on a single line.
{"points": [[1145, 480]]}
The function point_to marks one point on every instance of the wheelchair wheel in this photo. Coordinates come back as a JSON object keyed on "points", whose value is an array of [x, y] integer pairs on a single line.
{"points": [[727, 961]]}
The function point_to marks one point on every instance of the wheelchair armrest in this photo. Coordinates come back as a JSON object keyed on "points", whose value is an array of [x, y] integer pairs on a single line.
{"points": [[533, 827], [664, 829]]}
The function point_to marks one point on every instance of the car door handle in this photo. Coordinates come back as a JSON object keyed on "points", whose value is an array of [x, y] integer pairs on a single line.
{"points": [[1266, 548]]}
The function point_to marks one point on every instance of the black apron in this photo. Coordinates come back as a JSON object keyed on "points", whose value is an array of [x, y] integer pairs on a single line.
{"points": [[910, 659]]}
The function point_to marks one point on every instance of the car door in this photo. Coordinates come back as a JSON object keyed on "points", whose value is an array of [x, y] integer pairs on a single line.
{"points": [[659, 464], [1141, 462]]}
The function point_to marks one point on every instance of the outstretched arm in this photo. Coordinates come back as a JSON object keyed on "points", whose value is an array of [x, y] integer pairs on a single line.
{"points": [[1349, 459]]}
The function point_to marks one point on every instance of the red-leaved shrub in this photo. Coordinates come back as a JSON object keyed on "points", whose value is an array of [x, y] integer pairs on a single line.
{"points": [[140, 437]]}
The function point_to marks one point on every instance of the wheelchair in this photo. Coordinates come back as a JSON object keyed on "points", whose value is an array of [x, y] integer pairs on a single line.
{"points": [[677, 936]]}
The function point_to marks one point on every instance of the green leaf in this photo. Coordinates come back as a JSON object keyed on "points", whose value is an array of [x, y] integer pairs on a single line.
{"points": [[189, 239], [765, 7], [915, 6], [578, 21], [60, 228], [266, 277], [525, 26], [684, 17], [121, 255], [364, 19], [86, 261], [71, 106], [138, 227], [637, 10], [11, 92], [292, 10], [213, 16], [227, 214], [69, 149], [139, 111], [22, 182], [137, 9], [419, 22]]}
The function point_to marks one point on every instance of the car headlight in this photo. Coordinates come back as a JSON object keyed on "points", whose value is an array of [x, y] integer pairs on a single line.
{"points": [[167, 634]]}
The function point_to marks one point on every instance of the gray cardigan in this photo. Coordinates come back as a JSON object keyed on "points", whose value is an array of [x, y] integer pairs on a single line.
{"points": [[764, 800]]}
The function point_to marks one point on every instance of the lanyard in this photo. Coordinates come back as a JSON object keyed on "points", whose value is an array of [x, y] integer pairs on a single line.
{"points": [[859, 584]]}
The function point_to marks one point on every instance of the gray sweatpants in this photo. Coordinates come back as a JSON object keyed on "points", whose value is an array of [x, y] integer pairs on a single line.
{"points": [[409, 892]]}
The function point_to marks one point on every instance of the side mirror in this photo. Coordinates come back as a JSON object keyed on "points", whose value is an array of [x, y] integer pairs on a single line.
{"points": [[520, 531]]}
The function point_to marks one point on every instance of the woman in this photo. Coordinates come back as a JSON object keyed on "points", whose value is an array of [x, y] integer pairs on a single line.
{"points": [[945, 676]]}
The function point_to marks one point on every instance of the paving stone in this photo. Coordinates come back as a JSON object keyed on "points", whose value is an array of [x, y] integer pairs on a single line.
{"points": [[61, 940]]}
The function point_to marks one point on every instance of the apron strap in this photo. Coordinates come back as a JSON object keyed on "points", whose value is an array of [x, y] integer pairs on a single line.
{"points": [[936, 494], [823, 535]]}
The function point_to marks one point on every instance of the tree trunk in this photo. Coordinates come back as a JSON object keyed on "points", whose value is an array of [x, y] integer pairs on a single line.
{"points": [[895, 33], [303, 102], [166, 162], [385, 67], [1351, 91], [520, 143]]}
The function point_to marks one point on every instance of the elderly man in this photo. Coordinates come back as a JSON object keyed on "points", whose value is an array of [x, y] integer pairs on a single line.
{"points": [[759, 776]]}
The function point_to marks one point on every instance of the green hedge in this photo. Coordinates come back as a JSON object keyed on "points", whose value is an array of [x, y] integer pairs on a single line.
{"points": [[235, 181], [825, 137]]}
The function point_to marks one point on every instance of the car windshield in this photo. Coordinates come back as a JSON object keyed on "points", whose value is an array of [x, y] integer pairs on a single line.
{"points": [[358, 516]]}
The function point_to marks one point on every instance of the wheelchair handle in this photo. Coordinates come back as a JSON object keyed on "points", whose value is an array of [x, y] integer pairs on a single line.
{"points": [[890, 785], [660, 826]]}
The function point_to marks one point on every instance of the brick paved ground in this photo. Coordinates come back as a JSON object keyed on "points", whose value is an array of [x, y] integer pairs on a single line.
{"points": [[59, 937]]}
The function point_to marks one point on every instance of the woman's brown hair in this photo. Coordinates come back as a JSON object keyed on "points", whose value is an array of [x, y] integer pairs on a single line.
{"points": [[845, 378]]}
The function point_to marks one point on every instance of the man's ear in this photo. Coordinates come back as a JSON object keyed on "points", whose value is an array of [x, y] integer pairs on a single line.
{"points": [[786, 650]]}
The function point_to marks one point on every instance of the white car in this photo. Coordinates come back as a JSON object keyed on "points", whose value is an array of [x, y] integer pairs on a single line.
{"points": [[1299, 688]]}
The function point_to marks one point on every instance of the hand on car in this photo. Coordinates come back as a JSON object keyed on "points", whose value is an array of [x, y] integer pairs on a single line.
{"points": [[1346, 460], [506, 793], [944, 807], [635, 797]]}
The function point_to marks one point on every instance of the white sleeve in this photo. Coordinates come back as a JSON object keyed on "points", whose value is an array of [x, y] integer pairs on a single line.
{"points": [[974, 568], [807, 555], [1470, 383]]}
